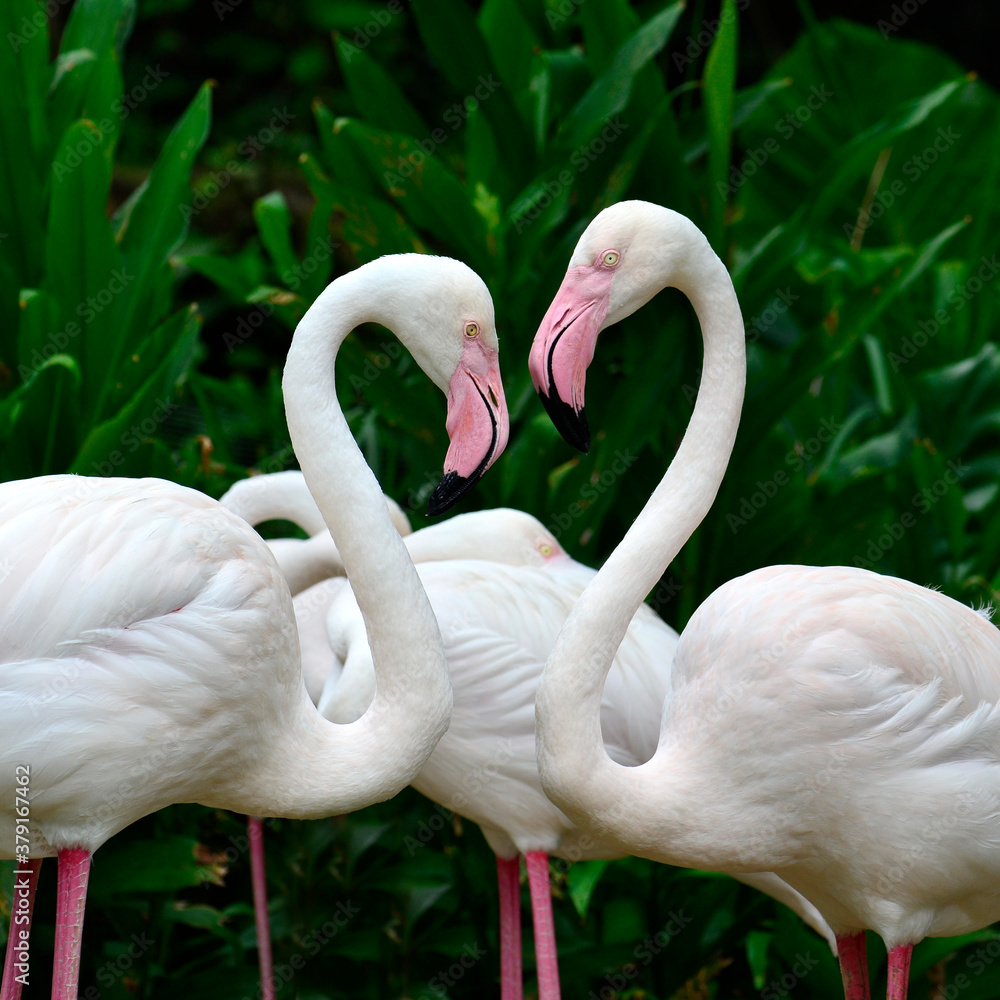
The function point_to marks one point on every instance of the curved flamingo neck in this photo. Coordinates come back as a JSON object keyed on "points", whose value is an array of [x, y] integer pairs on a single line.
{"points": [[413, 702], [575, 768]]}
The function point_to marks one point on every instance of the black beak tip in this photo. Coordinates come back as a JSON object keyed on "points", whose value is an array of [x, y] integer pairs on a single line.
{"points": [[449, 491], [571, 424]]}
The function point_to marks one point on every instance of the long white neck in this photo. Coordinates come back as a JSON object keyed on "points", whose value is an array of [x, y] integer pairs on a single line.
{"points": [[576, 771], [380, 753], [275, 495]]}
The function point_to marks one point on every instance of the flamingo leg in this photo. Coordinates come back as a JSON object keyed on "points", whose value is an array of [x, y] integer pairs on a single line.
{"points": [[71, 896], [255, 831], [25, 882], [853, 954], [509, 878], [546, 960], [899, 972]]}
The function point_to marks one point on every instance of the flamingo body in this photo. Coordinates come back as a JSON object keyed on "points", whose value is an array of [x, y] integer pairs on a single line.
{"points": [[831, 725], [864, 712], [87, 634], [148, 653]]}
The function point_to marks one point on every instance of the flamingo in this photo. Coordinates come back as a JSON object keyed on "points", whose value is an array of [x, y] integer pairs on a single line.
{"points": [[285, 495], [834, 726], [499, 615], [147, 638], [304, 563]]}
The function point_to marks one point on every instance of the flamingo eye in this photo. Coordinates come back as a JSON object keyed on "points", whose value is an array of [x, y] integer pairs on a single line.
{"points": [[545, 549], [472, 330], [611, 258]]}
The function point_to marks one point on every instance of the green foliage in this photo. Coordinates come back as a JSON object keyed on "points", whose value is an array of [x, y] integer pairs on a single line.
{"points": [[852, 191], [90, 353]]}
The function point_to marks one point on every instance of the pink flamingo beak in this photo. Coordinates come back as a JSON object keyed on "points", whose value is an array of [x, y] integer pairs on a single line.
{"points": [[478, 424], [564, 347]]}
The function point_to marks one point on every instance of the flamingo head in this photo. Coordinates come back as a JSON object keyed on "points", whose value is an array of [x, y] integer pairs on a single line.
{"points": [[448, 325], [624, 257]]}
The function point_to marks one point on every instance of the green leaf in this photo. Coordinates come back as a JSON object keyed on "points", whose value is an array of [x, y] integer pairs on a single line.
{"points": [[110, 446], [83, 264], [720, 85], [41, 420], [610, 93], [142, 866], [38, 336], [87, 88], [429, 194], [758, 944], [99, 25], [582, 879], [880, 373], [154, 228], [375, 94], [453, 39], [274, 222], [512, 44], [12, 406], [344, 164], [24, 81]]}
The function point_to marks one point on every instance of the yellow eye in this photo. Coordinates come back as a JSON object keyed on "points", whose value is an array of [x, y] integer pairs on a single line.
{"points": [[611, 258], [472, 329], [545, 549]]}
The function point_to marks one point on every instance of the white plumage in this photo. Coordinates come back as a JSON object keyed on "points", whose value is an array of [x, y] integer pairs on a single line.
{"points": [[148, 653], [499, 617], [837, 727]]}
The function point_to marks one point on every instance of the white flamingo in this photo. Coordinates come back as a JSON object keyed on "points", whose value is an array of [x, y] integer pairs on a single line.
{"points": [[834, 726], [148, 646], [305, 563], [285, 496], [499, 615]]}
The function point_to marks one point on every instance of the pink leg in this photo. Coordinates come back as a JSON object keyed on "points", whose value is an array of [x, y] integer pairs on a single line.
{"points": [[854, 966], [509, 877], [25, 883], [899, 972], [255, 830], [546, 960], [71, 896]]}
